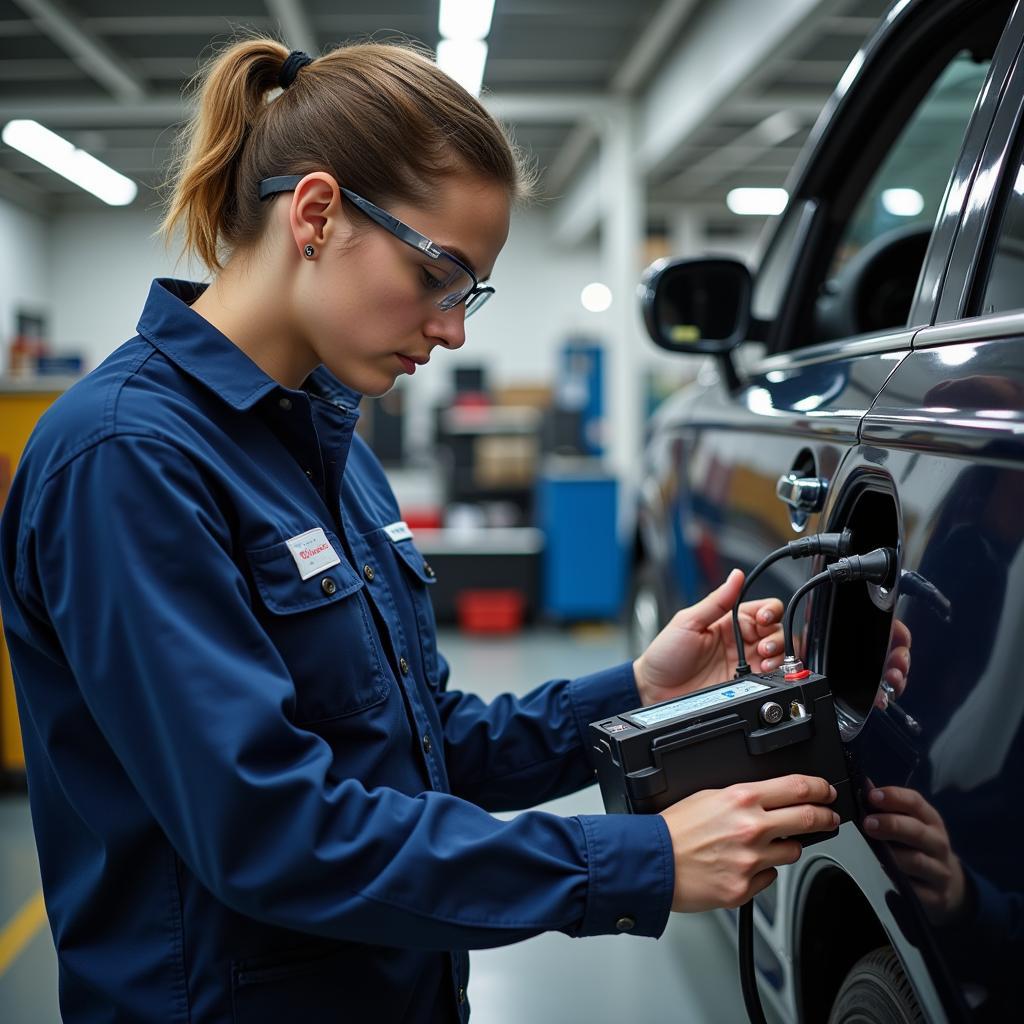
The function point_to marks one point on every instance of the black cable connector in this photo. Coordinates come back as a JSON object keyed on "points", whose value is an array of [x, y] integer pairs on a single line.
{"points": [[878, 566], [836, 545]]}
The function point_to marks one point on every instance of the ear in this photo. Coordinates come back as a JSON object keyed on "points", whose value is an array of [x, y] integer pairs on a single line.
{"points": [[315, 208]]}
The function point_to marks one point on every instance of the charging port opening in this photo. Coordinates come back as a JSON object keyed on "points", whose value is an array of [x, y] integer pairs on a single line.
{"points": [[854, 642]]}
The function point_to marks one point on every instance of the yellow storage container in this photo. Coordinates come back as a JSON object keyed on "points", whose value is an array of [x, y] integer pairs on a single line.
{"points": [[21, 405]]}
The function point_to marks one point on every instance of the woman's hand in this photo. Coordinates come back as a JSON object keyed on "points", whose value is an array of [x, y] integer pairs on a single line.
{"points": [[919, 844], [727, 843], [697, 647]]}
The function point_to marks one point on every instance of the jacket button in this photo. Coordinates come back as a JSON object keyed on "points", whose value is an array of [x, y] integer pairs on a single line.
{"points": [[368, 573], [462, 996], [309, 473], [625, 924], [430, 572], [285, 403], [404, 666], [328, 586], [427, 745]]}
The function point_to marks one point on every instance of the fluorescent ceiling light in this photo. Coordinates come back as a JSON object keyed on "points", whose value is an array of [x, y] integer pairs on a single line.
{"points": [[39, 143], [465, 19], [464, 60], [596, 297], [753, 202], [902, 202]]}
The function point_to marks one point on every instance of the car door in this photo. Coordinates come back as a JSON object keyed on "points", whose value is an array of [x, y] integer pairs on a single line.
{"points": [[853, 275], [948, 430]]}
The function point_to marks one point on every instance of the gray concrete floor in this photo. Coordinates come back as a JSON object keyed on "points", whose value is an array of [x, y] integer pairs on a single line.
{"points": [[689, 975]]}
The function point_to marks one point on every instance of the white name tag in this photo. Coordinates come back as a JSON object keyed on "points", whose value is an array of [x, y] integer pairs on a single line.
{"points": [[312, 552], [398, 531]]}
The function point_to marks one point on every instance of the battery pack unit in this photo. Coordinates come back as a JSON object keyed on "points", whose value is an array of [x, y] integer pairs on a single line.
{"points": [[747, 730]]}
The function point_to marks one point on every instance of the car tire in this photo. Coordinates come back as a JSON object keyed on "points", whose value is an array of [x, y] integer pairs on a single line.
{"points": [[647, 608], [876, 991]]}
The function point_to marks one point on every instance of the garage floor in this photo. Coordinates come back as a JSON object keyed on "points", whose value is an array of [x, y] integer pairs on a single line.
{"points": [[689, 975]]}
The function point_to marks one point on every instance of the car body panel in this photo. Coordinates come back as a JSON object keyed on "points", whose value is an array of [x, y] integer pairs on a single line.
{"points": [[933, 418]]}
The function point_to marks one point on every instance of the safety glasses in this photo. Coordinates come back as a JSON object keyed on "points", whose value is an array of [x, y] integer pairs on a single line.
{"points": [[445, 273]]}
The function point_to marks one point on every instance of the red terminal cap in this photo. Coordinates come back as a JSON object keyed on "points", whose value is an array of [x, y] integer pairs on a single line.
{"points": [[802, 674]]}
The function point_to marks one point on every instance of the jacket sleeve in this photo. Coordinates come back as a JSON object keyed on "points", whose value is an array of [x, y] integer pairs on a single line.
{"points": [[127, 560], [517, 752]]}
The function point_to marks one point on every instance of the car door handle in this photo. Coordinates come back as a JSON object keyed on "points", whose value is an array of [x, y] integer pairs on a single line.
{"points": [[802, 493]]}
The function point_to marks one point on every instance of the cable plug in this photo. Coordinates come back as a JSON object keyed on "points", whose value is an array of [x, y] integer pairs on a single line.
{"points": [[836, 544], [878, 566]]}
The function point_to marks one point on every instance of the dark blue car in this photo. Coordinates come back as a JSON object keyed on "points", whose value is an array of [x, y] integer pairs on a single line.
{"points": [[885, 394]]}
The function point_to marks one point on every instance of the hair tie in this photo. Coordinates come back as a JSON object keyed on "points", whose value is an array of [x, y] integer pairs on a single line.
{"points": [[293, 63]]}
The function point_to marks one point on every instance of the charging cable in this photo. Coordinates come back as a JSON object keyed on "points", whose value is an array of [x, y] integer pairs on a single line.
{"points": [[835, 544], [878, 566]]}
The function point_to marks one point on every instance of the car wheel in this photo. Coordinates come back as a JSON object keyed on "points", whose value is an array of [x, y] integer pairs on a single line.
{"points": [[647, 608], [876, 991]]}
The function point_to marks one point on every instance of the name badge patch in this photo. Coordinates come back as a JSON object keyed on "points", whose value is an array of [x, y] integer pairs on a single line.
{"points": [[312, 552], [398, 531]]}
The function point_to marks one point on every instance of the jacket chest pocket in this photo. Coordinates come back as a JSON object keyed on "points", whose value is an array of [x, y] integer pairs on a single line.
{"points": [[323, 630], [413, 578]]}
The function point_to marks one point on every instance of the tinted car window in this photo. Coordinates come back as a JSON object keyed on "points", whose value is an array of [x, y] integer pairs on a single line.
{"points": [[1005, 287], [874, 268]]}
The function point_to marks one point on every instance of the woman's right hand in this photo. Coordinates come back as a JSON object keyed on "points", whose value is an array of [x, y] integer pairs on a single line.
{"points": [[727, 843]]}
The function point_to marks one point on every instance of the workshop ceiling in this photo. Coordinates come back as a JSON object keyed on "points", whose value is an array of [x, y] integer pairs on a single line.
{"points": [[109, 75]]}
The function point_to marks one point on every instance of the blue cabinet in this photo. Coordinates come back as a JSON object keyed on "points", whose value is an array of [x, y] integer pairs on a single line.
{"points": [[583, 563]]}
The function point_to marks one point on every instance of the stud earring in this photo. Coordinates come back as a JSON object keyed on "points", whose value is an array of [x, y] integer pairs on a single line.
{"points": [[309, 252]]}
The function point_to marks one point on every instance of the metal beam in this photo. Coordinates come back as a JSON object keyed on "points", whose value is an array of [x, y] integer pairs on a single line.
{"points": [[295, 25], [743, 150], [578, 214], [660, 33], [546, 108], [153, 111], [169, 108], [87, 49], [719, 57], [575, 147]]}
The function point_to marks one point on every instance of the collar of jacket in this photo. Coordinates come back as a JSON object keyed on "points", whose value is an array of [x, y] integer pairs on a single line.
{"points": [[194, 345]]}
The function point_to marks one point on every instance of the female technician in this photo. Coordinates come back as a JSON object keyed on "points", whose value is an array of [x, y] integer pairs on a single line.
{"points": [[254, 797]]}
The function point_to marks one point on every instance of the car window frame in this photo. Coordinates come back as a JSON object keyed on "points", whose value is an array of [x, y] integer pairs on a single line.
{"points": [[880, 62], [973, 249]]}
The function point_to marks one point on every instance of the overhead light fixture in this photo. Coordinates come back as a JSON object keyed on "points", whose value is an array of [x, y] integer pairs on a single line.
{"points": [[757, 202], [902, 202], [67, 160], [465, 19], [596, 297], [464, 60]]}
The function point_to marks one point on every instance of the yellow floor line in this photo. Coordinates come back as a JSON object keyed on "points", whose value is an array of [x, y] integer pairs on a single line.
{"points": [[21, 929]]}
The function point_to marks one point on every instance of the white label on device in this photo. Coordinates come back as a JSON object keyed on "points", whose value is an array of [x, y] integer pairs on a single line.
{"points": [[675, 708], [312, 552]]}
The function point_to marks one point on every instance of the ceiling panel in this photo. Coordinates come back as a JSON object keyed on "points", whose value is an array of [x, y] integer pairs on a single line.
{"points": [[537, 47]]}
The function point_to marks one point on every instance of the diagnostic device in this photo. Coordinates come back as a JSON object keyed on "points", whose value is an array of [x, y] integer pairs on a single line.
{"points": [[746, 730]]}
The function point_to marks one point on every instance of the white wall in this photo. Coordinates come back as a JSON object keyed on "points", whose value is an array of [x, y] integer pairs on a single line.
{"points": [[24, 271], [102, 265]]}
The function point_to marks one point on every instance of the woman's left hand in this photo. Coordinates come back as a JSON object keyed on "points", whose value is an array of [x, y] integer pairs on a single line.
{"points": [[697, 647]]}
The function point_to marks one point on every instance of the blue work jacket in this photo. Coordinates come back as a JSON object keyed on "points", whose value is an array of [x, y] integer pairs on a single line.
{"points": [[254, 796]]}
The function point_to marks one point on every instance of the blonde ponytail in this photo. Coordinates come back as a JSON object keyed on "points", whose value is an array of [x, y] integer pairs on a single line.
{"points": [[382, 118]]}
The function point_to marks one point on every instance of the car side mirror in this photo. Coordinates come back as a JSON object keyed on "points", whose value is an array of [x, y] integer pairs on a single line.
{"points": [[700, 306]]}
